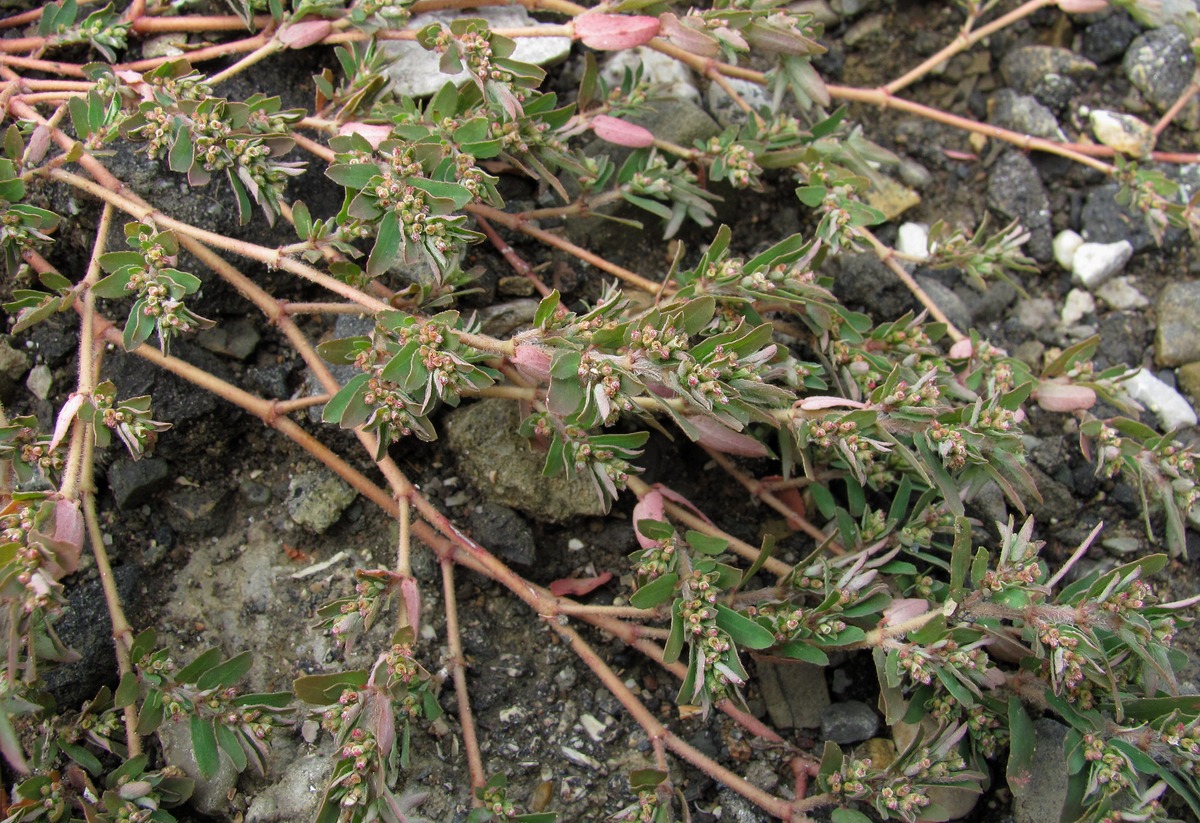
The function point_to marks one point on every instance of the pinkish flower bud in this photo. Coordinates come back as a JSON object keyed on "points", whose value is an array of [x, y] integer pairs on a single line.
{"points": [[621, 132], [613, 32], [305, 33], [1060, 396], [533, 362], [374, 134]]}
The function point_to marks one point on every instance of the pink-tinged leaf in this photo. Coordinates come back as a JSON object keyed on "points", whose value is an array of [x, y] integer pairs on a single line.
{"points": [[649, 507], [39, 143], [825, 402], [904, 609], [374, 134], [305, 33], [622, 133], [720, 437], [412, 603], [66, 416], [1082, 6], [613, 32], [994, 677], [533, 362], [578, 586], [676, 497], [688, 38], [380, 719], [1060, 396], [68, 535], [962, 349]]}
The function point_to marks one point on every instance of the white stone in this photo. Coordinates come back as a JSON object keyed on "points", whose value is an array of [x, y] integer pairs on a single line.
{"points": [[416, 74], [1122, 132], [580, 759], [726, 111], [593, 727], [913, 241], [1120, 294], [39, 381], [671, 78], [1078, 305], [574, 544], [1095, 263], [1065, 244], [1172, 410], [513, 714]]}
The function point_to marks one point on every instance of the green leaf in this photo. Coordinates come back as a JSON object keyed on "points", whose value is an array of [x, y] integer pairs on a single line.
{"points": [[113, 287], [389, 242], [229, 743], [78, 108], [143, 644], [764, 554], [83, 757], [743, 630], [243, 197], [352, 175], [655, 529], [960, 556], [459, 195], [204, 746], [127, 691], [151, 715], [1022, 743], [324, 689], [228, 673], [826, 504], [343, 352], [675, 639], [274, 700], [802, 650], [302, 220], [848, 816], [183, 152], [335, 409], [656, 592], [1152, 708], [546, 309], [192, 671], [812, 196], [705, 544]]}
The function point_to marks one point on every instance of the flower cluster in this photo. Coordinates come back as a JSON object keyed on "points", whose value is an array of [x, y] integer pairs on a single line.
{"points": [[32, 453], [159, 289], [31, 565], [718, 662]]}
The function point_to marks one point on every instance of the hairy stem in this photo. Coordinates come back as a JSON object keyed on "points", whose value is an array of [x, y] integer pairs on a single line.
{"points": [[458, 665]]}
